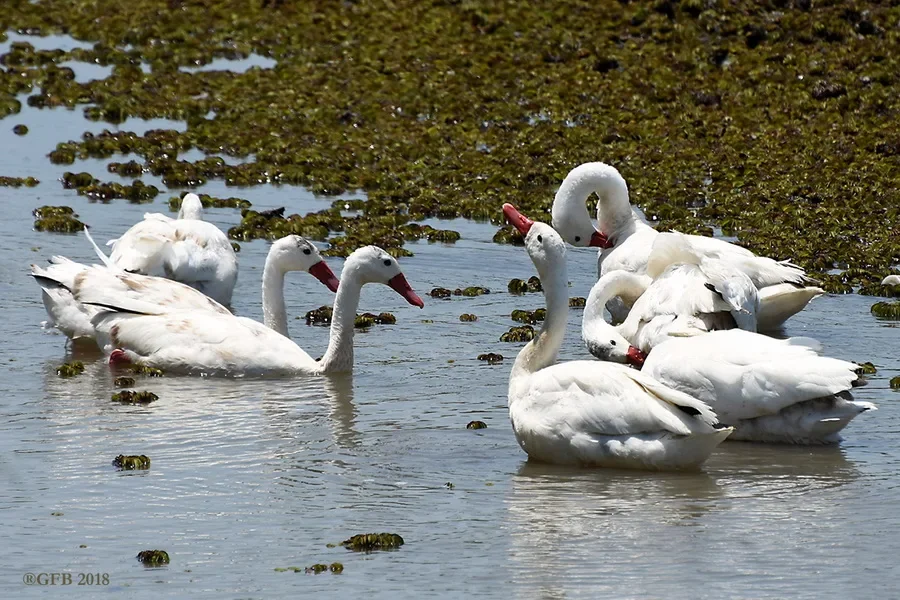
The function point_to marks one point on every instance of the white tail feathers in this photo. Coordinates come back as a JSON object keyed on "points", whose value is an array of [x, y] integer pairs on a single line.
{"points": [[103, 258]]}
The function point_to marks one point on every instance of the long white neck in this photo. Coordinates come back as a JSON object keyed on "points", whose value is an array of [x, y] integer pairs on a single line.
{"points": [[629, 286], [274, 311], [542, 351], [339, 355], [613, 208]]}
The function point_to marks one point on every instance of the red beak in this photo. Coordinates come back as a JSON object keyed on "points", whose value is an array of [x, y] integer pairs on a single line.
{"points": [[517, 219], [600, 240], [399, 284], [323, 273], [635, 357]]}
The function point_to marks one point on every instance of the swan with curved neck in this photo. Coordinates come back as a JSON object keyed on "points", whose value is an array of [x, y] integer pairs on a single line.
{"points": [[186, 249], [682, 291], [769, 390], [213, 344], [594, 413], [625, 242], [108, 285]]}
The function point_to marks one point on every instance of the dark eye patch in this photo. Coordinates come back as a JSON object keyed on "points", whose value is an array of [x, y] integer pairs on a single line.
{"points": [[387, 262], [307, 251], [540, 238], [612, 342], [577, 238]]}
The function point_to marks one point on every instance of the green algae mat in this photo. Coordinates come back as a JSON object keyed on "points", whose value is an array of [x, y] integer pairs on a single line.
{"points": [[773, 121]]}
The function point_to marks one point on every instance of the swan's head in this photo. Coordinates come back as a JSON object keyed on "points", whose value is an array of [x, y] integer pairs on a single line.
{"points": [[371, 264], [542, 242], [294, 253], [608, 345], [191, 207], [574, 225]]}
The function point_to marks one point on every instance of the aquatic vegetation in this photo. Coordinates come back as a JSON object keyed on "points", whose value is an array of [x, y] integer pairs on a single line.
{"points": [[123, 381], [895, 383], [153, 558], [490, 358], [367, 542], [211, 202], [17, 182], [476, 425], [145, 371], [131, 397], [467, 318], [449, 485], [577, 302], [524, 333], [866, 368], [60, 219], [236, 247], [317, 568], [398, 118], [440, 292], [20, 129], [886, 310], [131, 463], [529, 316], [517, 286], [471, 291], [70, 369], [336, 567], [322, 316]]}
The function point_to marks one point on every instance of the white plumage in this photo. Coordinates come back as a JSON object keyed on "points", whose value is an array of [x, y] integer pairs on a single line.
{"points": [[591, 413], [626, 240]]}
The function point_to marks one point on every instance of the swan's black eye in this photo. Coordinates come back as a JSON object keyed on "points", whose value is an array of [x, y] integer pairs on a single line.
{"points": [[387, 262], [540, 238], [307, 251], [577, 238], [612, 342]]}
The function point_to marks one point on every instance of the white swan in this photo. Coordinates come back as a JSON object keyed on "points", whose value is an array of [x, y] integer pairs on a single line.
{"points": [[202, 342], [64, 279], [891, 280], [706, 294], [769, 390], [594, 413], [626, 240], [186, 249]]}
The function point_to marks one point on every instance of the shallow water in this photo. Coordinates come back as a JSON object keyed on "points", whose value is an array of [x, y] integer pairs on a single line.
{"points": [[250, 475]]}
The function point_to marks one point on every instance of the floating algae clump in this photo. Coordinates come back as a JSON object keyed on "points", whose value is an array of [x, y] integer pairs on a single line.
{"points": [[131, 463], [317, 568], [577, 302], [490, 358], [130, 397], [471, 291], [476, 425], [366, 542], [70, 369], [866, 368], [153, 558], [18, 182], [529, 316], [336, 567], [211, 202], [895, 383], [123, 381], [440, 292], [467, 317], [145, 371], [886, 310], [517, 286], [61, 219], [319, 316], [523, 333]]}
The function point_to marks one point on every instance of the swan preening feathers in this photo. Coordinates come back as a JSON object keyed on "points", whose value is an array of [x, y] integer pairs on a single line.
{"points": [[626, 242]]}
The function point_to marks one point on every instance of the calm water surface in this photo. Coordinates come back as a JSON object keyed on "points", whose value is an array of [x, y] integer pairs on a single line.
{"points": [[250, 475]]}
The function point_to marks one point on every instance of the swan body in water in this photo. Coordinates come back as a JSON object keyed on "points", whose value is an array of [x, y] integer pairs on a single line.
{"points": [[769, 390], [589, 412], [186, 249], [206, 343], [65, 279]]}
